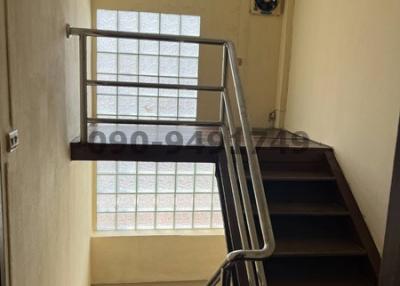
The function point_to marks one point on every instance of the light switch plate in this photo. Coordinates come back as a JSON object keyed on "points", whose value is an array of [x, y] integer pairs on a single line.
{"points": [[13, 140]]}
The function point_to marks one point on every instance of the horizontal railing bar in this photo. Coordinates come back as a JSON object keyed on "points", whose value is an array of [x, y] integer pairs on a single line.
{"points": [[130, 35], [147, 54], [155, 85], [155, 122]]}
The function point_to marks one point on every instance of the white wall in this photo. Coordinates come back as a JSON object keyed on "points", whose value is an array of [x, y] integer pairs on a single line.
{"points": [[344, 90]]}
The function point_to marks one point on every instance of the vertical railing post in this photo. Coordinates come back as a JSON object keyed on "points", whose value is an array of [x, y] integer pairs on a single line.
{"points": [[83, 87], [223, 84], [236, 193]]}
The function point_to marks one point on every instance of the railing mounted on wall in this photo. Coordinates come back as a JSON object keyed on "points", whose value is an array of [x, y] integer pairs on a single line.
{"points": [[252, 252]]}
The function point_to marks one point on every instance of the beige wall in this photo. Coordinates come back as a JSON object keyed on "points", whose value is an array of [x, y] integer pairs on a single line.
{"points": [[344, 90], [155, 258], [49, 196]]}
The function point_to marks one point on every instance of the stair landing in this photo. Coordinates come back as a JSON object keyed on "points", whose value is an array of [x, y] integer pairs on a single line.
{"points": [[170, 143]]}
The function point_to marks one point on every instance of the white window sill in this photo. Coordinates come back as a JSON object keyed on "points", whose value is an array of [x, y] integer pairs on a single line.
{"points": [[190, 232]]}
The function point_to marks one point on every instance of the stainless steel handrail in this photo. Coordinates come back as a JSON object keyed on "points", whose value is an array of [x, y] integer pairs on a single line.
{"points": [[251, 251], [256, 179]]}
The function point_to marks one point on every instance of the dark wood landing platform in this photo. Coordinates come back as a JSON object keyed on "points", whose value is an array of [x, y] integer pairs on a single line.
{"points": [[162, 143]]}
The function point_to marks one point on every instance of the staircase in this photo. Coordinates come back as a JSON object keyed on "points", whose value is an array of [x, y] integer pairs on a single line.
{"points": [[321, 238], [314, 221]]}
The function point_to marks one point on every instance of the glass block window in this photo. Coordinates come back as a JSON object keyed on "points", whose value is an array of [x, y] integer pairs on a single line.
{"points": [[147, 195], [147, 62], [140, 195]]}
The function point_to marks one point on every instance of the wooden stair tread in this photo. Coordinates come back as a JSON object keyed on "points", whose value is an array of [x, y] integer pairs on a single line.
{"points": [[320, 282], [306, 208], [295, 176], [317, 247]]}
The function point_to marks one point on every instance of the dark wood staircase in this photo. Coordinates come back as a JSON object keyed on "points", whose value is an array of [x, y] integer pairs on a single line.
{"points": [[321, 237]]}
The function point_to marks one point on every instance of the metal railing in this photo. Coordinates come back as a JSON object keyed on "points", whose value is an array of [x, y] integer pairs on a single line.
{"points": [[252, 253]]}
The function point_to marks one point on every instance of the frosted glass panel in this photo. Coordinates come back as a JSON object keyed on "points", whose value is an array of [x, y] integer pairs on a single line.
{"points": [[145, 220], [149, 47], [168, 107], [128, 64], [184, 202], [185, 168], [107, 20], [106, 167], [166, 168], [106, 45], [106, 63], [106, 184], [126, 221], [148, 106], [128, 46], [184, 183], [183, 220], [126, 203], [126, 167], [149, 23], [106, 104], [202, 220], [148, 65], [170, 24], [204, 183], [106, 203], [217, 221], [187, 107], [169, 49], [216, 202], [146, 202], [165, 184], [146, 167], [128, 21], [188, 67], [169, 66], [105, 221], [126, 183], [146, 184], [202, 202], [205, 168], [165, 202], [165, 220], [127, 105], [190, 25], [189, 50]]}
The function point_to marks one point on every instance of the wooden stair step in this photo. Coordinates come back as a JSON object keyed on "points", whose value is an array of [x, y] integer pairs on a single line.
{"points": [[309, 209], [318, 271], [360, 281], [295, 176], [317, 247]]}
